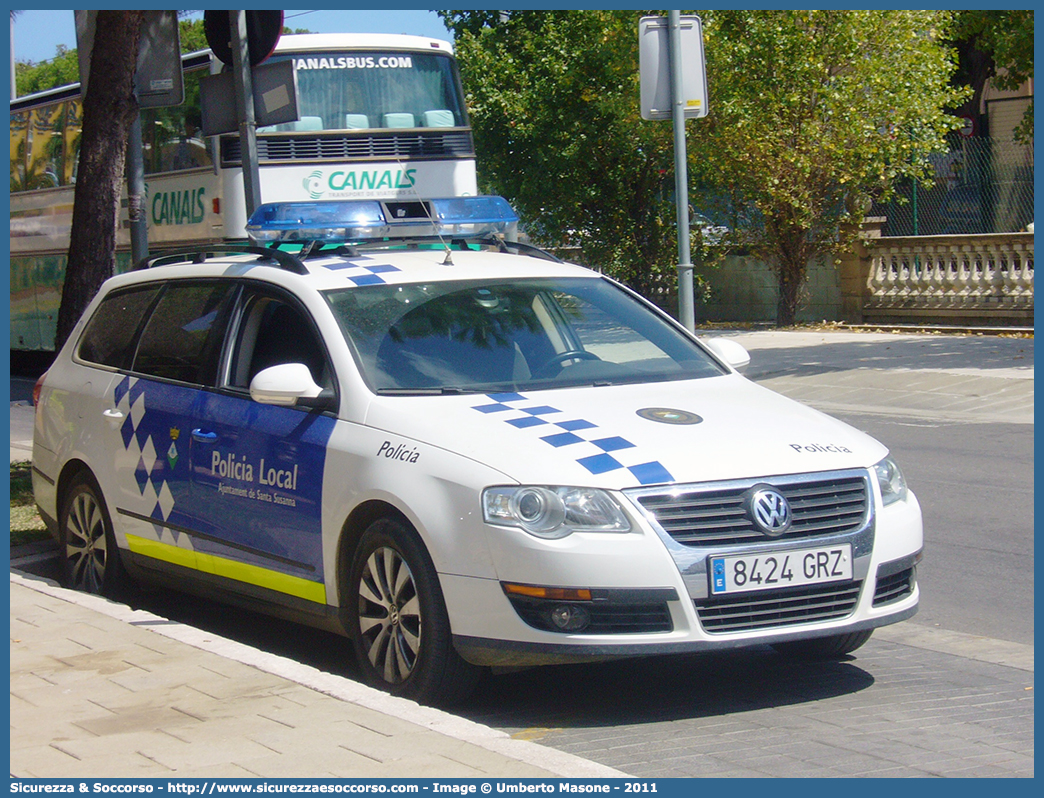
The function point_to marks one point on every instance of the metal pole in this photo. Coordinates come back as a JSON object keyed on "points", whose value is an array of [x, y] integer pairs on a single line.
{"points": [[139, 224], [244, 93], [686, 310]]}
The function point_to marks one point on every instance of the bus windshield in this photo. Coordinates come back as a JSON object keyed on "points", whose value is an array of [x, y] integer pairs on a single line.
{"points": [[367, 90]]}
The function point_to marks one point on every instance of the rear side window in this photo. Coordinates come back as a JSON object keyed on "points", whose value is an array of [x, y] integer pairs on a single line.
{"points": [[111, 333], [182, 340]]}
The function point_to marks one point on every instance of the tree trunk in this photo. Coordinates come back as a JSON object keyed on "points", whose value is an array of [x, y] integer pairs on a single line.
{"points": [[791, 277], [109, 107]]}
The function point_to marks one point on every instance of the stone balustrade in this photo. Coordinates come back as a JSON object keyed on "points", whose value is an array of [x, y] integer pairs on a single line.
{"points": [[967, 278]]}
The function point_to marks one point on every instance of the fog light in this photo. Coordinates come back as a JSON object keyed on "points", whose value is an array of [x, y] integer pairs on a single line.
{"points": [[570, 617]]}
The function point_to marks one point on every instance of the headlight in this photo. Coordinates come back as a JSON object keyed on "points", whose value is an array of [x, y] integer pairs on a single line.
{"points": [[553, 512], [892, 481]]}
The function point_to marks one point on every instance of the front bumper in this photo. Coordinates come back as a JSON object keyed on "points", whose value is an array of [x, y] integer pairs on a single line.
{"points": [[645, 577]]}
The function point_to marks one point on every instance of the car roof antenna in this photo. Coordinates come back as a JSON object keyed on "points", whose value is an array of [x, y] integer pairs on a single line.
{"points": [[448, 260]]}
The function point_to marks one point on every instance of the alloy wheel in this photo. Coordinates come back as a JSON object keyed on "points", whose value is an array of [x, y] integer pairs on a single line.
{"points": [[389, 615]]}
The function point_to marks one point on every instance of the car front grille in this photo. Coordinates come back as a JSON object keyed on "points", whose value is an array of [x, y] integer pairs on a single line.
{"points": [[718, 515], [353, 147], [771, 609]]}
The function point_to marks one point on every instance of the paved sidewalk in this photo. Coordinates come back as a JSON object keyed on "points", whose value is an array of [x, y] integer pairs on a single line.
{"points": [[100, 690]]}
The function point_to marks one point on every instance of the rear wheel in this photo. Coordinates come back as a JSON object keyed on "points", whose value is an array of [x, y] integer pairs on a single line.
{"points": [[90, 559], [400, 628], [833, 647]]}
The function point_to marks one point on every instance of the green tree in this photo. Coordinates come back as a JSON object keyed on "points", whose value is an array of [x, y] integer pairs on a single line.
{"points": [[812, 114], [553, 99], [998, 45], [61, 70]]}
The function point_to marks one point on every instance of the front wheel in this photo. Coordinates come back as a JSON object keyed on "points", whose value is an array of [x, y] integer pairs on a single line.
{"points": [[400, 628], [820, 648], [90, 559]]}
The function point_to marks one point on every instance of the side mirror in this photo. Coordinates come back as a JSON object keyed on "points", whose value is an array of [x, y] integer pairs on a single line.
{"points": [[732, 352], [289, 385]]}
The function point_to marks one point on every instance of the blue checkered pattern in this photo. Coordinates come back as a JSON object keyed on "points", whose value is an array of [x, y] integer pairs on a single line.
{"points": [[140, 449], [360, 271], [591, 447]]}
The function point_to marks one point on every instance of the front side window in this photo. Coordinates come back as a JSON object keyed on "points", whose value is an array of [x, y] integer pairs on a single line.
{"points": [[516, 335], [374, 90], [273, 331], [182, 339]]}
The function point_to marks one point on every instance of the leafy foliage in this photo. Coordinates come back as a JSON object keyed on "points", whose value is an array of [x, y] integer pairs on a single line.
{"points": [[1006, 38], [553, 103], [812, 113], [61, 70]]}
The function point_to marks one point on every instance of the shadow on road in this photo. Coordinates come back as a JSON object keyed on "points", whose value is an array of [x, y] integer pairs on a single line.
{"points": [[658, 689], [939, 353]]}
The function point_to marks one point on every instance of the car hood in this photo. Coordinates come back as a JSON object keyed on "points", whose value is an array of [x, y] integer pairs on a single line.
{"points": [[626, 436]]}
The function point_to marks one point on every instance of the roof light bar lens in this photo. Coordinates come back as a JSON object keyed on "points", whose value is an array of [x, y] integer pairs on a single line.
{"points": [[329, 220], [358, 221]]}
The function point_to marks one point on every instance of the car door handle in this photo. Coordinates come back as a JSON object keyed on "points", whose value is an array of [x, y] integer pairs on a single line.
{"points": [[203, 436]]}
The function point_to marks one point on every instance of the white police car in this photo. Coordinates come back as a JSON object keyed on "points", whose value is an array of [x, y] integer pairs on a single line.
{"points": [[457, 457]]}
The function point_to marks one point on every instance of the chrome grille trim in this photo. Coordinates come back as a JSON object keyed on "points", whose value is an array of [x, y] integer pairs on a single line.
{"points": [[714, 514]]}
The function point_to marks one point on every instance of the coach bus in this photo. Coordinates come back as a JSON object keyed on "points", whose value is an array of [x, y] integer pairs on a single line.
{"points": [[380, 117]]}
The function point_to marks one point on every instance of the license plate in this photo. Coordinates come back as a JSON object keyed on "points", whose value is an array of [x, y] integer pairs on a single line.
{"points": [[773, 570]]}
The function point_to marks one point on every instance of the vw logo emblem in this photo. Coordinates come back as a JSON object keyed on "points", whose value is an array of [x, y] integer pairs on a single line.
{"points": [[770, 511]]}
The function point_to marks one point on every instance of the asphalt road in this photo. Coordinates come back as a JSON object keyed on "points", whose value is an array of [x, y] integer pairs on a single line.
{"points": [[975, 486]]}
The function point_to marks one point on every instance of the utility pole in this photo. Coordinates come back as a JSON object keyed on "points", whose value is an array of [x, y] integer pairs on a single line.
{"points": [[686, 302]]}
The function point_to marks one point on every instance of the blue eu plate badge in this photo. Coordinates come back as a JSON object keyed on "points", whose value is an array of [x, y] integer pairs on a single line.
{"points": [[718, 574]]}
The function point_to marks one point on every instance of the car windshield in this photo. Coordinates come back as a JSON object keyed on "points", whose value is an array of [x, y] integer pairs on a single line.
{"points": [[527, 334]]}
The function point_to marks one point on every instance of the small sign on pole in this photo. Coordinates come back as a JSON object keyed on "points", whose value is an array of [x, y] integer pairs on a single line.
{"points": [[674, 86], [655, 72]]}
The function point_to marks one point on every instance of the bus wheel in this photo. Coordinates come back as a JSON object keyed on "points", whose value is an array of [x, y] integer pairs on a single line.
{"points": [[400, 628]]}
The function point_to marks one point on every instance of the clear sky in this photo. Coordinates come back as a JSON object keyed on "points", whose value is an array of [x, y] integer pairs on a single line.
{"points": [[38, 33]]}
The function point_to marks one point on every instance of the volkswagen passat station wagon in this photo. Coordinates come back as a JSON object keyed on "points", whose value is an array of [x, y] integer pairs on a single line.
{"points": [[392, 421]]}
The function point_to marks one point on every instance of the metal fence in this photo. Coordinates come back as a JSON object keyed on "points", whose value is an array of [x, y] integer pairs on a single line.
{"points": [[982, 185]]}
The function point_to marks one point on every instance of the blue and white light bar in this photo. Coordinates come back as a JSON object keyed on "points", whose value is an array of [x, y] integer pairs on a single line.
{"points": [[359, 221]]}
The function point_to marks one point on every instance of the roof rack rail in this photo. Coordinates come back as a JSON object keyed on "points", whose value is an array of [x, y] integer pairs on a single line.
{"points": [[314, 249], [285, 260]]}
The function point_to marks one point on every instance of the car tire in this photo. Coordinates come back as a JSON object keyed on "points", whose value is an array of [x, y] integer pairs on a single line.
{"points": [[824, 648], [90, 560], [399, 625]]}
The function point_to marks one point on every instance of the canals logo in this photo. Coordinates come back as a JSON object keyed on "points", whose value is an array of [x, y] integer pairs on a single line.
{"points": [[358, 180]]}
